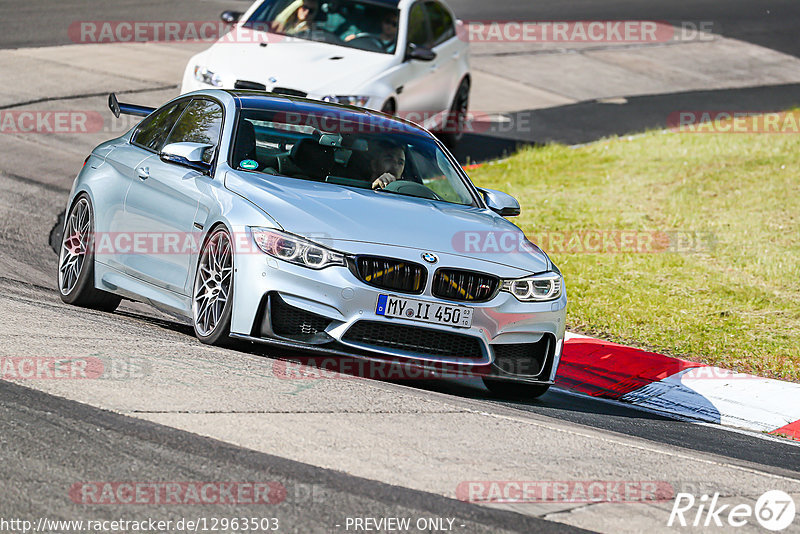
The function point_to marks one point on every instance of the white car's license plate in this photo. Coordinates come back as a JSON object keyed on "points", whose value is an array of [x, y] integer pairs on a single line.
{"points": [[426, 312]]}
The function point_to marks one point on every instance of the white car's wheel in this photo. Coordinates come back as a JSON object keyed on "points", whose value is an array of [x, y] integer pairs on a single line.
{"points": [[212, 298], [455, 123], [76, 260]]}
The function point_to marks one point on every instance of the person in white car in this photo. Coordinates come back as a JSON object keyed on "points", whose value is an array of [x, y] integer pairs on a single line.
{"points": [[388, 35], [299, 21]]}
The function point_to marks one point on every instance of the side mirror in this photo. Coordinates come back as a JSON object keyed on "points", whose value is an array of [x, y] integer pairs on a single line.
{"points": [[187, 155], [230, 17], [501, 203], [113, 104], [420, 53]]}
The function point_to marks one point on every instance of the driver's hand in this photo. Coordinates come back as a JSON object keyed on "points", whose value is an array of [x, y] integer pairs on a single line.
{"points": [[350, 37], [383, 180]]}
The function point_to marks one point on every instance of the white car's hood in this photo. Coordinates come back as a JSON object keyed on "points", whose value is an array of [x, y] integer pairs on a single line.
{"points": [[336, 215], [312, 67]]}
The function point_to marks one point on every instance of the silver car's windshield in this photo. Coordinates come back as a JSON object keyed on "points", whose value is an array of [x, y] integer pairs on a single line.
{"points": [[350, 23], [368, 155]]}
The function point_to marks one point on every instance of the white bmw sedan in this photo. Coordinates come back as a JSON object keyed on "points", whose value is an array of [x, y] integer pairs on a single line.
{"points": [[404, 57]]}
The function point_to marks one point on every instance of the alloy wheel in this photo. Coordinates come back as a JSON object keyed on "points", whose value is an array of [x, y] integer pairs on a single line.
{"points": [[212, 285], [74, 246]]}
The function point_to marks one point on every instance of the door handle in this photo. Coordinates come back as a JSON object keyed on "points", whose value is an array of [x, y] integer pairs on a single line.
{"points": [[143, 173]]}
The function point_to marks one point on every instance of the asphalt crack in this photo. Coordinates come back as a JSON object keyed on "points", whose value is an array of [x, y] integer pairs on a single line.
{"points": [[88, 95], [31, 181]]}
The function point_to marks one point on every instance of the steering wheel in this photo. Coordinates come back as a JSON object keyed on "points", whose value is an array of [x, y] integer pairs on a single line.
{"points": [[370, 38], [360, 35], [412, 189]]}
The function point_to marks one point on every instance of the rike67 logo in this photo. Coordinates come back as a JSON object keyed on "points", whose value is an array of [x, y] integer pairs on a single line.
{"points": [[775, 510]]}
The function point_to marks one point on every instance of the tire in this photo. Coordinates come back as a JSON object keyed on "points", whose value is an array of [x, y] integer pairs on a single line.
{"points": [[453, 130], [515, 390], [76, 260], [212, 295]]}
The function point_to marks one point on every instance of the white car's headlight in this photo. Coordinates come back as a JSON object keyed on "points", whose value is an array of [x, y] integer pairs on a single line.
{"points": [[358, 100], [202, 74], [295, 249], [541, 287]]}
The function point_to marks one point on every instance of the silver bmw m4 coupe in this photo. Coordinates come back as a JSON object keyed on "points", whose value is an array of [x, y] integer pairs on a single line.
{"points": [[312, 226]]}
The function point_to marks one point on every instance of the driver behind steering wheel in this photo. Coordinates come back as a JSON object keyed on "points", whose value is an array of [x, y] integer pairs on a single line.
{"points": [[388, 35], [387, 164]]}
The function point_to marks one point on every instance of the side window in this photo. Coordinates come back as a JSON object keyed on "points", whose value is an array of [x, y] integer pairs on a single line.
{"points": [[201, 122], [442, 26], [153, 130], [418, 26]]}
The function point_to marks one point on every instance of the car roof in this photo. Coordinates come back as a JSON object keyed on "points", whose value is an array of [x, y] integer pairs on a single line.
{"points": [[255, 100]]}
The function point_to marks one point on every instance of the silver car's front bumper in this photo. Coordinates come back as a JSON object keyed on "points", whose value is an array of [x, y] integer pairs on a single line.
{"points": [[337, 294]]}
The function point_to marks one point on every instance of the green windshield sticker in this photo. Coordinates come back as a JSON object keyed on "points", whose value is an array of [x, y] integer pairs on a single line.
{"points": [[248, 164]]}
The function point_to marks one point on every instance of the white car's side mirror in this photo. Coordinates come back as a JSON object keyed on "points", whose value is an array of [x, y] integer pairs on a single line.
{"points": [[230, 17], [420, 53]]}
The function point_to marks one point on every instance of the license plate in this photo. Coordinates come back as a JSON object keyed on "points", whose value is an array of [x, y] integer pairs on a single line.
{"points": [[425, 312]]}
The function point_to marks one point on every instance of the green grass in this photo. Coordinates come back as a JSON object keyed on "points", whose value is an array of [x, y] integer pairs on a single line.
{"points": [[734, 302]]}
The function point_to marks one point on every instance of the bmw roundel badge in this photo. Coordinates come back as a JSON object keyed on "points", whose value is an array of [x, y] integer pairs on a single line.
{"points": [[430, 257]]}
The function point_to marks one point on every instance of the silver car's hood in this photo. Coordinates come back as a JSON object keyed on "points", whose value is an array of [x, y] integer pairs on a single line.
{"points": [[335, 215]]}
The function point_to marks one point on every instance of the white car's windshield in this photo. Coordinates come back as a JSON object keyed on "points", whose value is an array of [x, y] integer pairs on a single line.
{"points": [[356, 24], [327, 148]]}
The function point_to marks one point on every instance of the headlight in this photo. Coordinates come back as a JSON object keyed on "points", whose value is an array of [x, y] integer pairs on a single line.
{"points": [[541, 287], [295, 249], [204, 75], [359, 101]]}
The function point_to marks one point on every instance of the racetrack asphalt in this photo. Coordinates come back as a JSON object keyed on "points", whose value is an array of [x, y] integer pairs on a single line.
{"points": [[51, 444]]}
